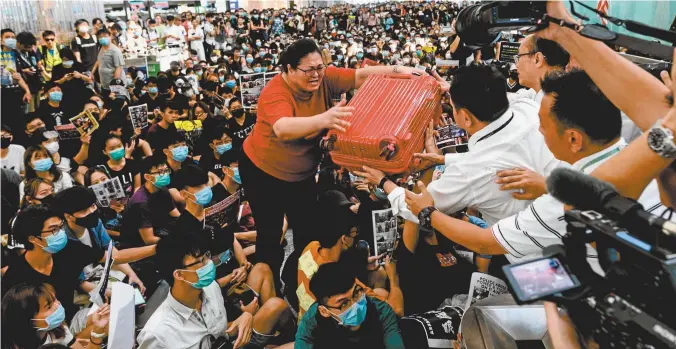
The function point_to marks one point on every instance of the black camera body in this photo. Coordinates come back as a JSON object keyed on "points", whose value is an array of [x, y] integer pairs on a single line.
{"points": [[481, 24], [631, 305]]}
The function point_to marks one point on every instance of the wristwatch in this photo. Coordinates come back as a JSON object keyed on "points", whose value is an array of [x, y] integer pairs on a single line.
{"points": [[661, 140], [381, 185], [425, 217]]}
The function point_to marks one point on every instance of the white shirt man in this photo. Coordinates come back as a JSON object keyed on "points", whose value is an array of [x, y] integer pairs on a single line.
{"points": [[173, 325], [510, 141], [174, 31], [525, 234]]}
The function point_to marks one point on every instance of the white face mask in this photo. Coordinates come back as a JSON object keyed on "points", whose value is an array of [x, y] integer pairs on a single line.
{"points": [[52, 147]]}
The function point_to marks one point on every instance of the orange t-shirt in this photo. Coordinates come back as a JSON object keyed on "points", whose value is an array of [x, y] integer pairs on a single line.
{"points": [[297, 160], [308, 264]]}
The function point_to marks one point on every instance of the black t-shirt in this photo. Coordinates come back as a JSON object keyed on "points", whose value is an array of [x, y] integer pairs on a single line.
{"points": [[126, 175], [146, 210], [208, 162], [65, 276], [422, 292], [175, 176], [158, 137], [52, 116], [181, 101], [88, 50], [173, 77], [218, 239], [240, 132], [153, 104]]}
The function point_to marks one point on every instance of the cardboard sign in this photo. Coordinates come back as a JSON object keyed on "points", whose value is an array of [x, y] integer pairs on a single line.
{"points": [[85, 123]]}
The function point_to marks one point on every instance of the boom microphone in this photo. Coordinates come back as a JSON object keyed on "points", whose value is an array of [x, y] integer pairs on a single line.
{"points": [[585, 192]]}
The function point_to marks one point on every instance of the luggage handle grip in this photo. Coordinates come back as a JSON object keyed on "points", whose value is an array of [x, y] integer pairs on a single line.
{"points": [[403, 76]]}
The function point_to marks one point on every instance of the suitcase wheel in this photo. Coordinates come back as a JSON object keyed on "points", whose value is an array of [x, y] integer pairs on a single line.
{"points": [[327, 143]]}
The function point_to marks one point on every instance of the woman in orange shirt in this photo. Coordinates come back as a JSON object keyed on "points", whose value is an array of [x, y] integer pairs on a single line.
{"points": [[280, 157]]}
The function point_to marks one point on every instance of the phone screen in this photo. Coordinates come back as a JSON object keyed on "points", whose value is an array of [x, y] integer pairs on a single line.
{"points": [[542, 277]]}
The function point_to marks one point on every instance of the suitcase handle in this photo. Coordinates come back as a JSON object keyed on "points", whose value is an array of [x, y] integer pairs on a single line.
{"points": [[402, 76]]}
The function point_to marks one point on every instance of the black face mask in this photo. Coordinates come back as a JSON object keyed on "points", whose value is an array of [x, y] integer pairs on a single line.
{"points": [[39, 131], [514, 74], [90, 221], [47, 200], [237, 112], [5, 142]]}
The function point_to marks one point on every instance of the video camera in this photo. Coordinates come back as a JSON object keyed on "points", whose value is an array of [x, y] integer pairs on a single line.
{"points": [[630, 306], [482, 24]]}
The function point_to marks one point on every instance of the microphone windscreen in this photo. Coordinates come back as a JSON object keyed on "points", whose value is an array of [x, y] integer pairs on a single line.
{"points": [[577, 189]]}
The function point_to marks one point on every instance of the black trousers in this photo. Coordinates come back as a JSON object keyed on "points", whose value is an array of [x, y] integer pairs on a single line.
{"points": [[270, 199]]}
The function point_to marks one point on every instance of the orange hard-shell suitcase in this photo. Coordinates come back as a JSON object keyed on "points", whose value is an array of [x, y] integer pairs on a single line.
{"points": [[388, 124]]}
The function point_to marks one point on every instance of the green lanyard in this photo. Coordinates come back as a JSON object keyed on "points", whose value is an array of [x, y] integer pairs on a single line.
{"points": [[601, 158]]}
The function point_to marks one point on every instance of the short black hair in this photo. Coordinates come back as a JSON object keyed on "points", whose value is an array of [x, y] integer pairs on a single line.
{"points": [[192, 176], [151, 80], [74, 199], [473, 85], [338, 220], [172, 140], [296, 51], [66, 52], [80, 21], [6, 30], [6, 128], [26, 39], [233, 100], [102, 31], [153, 162], [555, 55], [172, 250], [331, 279], [151, 21], [578, 103], [47, 33], [30, 221], [172, 105], [170, 18], [228, 158]]}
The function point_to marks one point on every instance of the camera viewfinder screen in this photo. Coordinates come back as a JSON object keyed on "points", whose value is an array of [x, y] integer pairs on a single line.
{"points": [[541, 277]]}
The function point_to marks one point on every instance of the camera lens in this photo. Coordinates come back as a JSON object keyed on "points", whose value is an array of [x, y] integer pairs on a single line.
{"points": [[472, 26]]}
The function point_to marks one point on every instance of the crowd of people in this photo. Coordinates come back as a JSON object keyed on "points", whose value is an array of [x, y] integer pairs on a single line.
{"points": [[473, 208]]}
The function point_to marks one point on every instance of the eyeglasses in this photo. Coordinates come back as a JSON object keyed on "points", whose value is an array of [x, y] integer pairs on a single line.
{"points": [[204, 260], [54, 230], [357, 293], [162, 172], [310, 72], [517, 56]]}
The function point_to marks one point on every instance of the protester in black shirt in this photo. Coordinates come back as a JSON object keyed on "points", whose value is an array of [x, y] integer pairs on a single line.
{"points": [[84, 45], [240, 125], [72, 77], [169, 91], [119, 165], [51, 110], [31, 66], [49, 257], [174, 72], [152, 98], [219, 143], [164, 130]]}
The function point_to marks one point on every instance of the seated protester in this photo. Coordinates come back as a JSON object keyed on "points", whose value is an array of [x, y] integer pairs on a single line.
{"points": [[240, 124], [52, 111], [198, 195], [11, 155], [163, 130], [152, 98], [34, 126], [176, 153], [110, 216], [581, 127], [220, 143], [81, 215], [174, 71], [169, 90], [151, 212], [120, 165], [424, 250], [37, 191], [49, 256], [119, 102], [344, 316], [50, 141], [186, 264], [338, 243], [201, 113], [38, 163], [73, 78], [32, 315]]}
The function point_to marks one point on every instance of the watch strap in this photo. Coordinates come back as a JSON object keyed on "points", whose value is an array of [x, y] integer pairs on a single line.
{"points": [[381, 185]]}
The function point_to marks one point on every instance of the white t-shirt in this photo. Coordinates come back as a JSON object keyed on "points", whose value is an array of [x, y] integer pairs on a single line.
{"points": [[14, 159], [208, 27], [175, 30], [196, 44]]}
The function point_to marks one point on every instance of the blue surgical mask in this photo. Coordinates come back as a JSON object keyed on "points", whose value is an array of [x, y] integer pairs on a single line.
{"points": [[55, 96], [257, 69], [153, 90], [380, 194], [354, 315], [235, 175], [249, 60], [43, 164], [204, 196], [206, 275], [162, 180], [180, 153], [340, 57], [221, 78], [130, 81], [360, 55], [104, 41], [222, 148], [55, 242], [117, 154], [54, 319], [67, 64], [230, 84], [264, 69], [10, 43]]}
